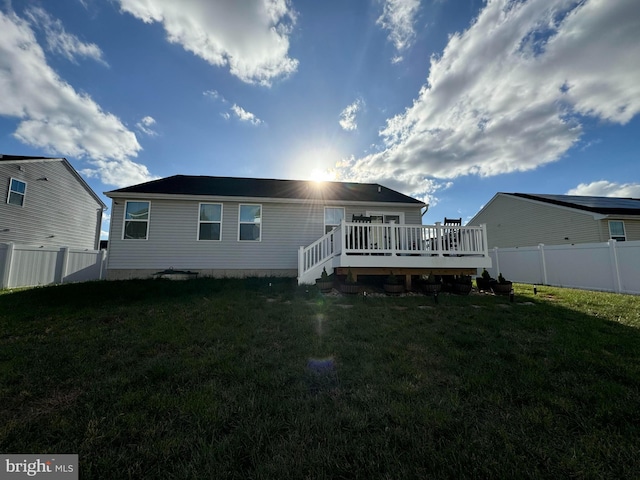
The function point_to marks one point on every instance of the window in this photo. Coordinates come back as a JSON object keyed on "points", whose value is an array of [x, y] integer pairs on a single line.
{"points": [[210, 221], [249, 225], [616, 230], [333, 217], [17, 191], [136, 220]]}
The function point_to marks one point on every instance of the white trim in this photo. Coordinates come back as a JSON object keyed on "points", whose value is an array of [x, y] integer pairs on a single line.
{"points": [[324, 219], [250, 223], [124, 219], [9, 192], [259, 200], [200, 221]]}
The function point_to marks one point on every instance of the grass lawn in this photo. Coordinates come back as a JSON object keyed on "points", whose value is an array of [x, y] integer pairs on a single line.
{"points": [[238, 379]]}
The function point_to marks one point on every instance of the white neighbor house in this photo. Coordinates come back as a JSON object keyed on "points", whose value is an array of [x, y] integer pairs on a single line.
{"points": [[224, 227]]}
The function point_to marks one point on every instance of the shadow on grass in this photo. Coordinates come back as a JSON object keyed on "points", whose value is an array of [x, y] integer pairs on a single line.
{"points": [[259, 378]]}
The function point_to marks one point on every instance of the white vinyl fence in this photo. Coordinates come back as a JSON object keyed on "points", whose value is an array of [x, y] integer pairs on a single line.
{"points": [[611, 266], [27, 266]]}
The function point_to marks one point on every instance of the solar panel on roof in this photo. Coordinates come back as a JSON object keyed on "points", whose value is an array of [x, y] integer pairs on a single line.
{"points": [[603, 205], [596, 202]]}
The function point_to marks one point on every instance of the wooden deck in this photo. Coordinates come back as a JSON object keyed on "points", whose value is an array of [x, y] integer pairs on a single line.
{"points": [[418, 249]]}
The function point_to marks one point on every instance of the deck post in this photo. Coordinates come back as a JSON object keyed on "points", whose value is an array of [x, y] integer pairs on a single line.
{"points": [[485, 243], [392, 232], [300, 262], [439, 240]]}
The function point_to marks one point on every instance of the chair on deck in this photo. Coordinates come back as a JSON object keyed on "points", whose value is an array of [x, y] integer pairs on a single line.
{"points": [[451, 236], [360, 219], [360, 241]]}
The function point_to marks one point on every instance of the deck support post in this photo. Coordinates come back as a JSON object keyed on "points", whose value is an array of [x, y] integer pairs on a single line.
{"points": [[439, 240]]}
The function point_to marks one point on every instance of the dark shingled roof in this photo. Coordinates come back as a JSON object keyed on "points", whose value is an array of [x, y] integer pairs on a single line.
{"points": [[602, 205], [6, 157], [269, 188]]}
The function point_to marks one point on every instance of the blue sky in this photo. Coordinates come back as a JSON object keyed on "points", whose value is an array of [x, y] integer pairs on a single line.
{"points": [[449, 101]]}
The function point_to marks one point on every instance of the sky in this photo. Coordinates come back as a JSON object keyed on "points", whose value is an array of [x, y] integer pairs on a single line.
{"points": [[449, 101]]}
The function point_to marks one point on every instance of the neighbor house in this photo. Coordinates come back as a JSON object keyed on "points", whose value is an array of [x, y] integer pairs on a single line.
{"points": [[221, 226], [521, 219], [47, 203]]}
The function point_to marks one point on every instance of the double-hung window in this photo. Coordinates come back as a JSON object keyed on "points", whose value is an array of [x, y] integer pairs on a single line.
{"points": [[136, 220], [333, 217], [210, 221], [250, 223], [17, 192], [616, 230]]}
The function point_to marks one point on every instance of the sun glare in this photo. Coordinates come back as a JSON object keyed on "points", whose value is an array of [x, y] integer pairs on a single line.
{"points": [[319, 176]]}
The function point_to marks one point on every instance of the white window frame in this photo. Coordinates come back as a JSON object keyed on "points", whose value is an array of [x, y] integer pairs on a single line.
{"points": [[124, 220], [200, 222], [11, 191], [400, 215], [259, 239], [619, 238], [344, 213]]}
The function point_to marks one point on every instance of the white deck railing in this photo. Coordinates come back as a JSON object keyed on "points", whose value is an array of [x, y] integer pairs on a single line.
{"points": [[393, 239]]}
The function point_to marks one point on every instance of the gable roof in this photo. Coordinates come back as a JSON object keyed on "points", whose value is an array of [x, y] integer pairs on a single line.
{"points": [[601, 205], [268, 188], [28, 159]]}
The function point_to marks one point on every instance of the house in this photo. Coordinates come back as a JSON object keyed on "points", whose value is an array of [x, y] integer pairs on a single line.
{"points": [[47, 203], [224, 227], [521, 219]]}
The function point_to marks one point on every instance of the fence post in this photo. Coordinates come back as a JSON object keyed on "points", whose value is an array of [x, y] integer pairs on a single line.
{"points": [[543, 264], [103, 261], [495, 252], [6, 271], [615, 269], [65, 263]]}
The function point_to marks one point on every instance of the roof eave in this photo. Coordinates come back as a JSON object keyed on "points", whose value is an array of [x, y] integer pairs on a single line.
{"points": [[221, 198]]}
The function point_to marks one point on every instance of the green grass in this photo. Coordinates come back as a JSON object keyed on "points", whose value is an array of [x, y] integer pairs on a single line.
{"points": [[239, 379]]}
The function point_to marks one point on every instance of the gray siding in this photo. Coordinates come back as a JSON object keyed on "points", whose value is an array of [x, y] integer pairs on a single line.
{"points": [[58, 211], [173, 228], [517, 222]]}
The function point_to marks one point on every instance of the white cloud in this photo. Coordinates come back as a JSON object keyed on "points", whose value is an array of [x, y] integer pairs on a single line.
{"points": [[398, 17], [145, 124], [348, 115], [507, 94], [244, 116], [56, 118], [118, 172], [604, 188], [60, 41], [250, 37], [214, 95]]}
